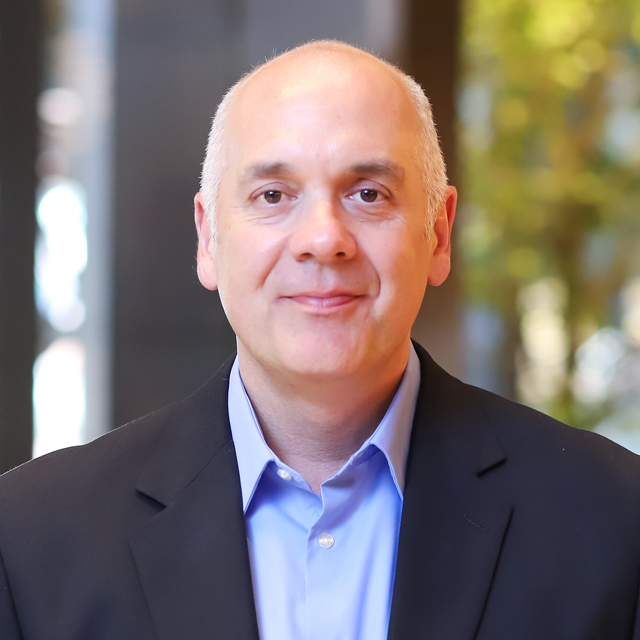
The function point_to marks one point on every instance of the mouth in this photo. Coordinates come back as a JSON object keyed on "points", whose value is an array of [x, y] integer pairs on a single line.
{"points": [[324, 302]]}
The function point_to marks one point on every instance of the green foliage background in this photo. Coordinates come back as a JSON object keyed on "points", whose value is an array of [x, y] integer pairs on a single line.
{"points": [[544, 192]]}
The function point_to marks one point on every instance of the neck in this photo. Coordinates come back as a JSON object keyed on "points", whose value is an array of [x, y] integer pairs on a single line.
{"points": [[315, 425]]}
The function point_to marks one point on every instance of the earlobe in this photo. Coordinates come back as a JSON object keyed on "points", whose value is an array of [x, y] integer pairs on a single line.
{"points": [[441, 257], [206, 261]]}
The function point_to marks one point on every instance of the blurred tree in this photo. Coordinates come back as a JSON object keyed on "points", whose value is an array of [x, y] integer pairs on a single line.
{"points": [[550, 161]]}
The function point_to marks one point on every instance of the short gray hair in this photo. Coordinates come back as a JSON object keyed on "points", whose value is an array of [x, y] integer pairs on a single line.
{"points": [[434, 175]]}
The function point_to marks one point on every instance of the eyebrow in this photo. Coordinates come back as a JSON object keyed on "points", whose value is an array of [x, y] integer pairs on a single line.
{"points": [[380, 168], [262, 170]]}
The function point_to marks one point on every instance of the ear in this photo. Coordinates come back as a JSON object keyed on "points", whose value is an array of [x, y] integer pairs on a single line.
{"points": [[206, 261], [441, 257]]}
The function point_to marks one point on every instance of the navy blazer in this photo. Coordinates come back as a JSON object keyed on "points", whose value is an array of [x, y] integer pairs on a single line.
{"points": [[514, 527]]}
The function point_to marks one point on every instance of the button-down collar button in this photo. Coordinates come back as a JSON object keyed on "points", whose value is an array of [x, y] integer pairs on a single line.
{"points": [[326, 540], [284, 474]]}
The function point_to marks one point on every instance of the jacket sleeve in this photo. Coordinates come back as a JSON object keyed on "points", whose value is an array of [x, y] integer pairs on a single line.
{"points": [[9, 627]]}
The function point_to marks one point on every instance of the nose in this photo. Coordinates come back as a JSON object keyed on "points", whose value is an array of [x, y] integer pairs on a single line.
{"points": [[321, 235]]}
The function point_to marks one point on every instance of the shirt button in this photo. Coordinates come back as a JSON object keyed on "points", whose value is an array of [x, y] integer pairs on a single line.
{"points": [[326, 540], [284, 474]]}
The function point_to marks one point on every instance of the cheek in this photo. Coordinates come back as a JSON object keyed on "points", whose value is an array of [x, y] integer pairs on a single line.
{"points": [[248, 255], [403, 272], [396, 255]]}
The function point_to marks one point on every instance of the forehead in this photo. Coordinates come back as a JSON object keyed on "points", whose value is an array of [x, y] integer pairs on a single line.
{"points": [[319, 101]]}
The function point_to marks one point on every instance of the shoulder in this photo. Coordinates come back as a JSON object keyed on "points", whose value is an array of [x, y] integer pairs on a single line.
{"points": [[111, 465], [538, 452], [112, 460], [527, 434], [575, 480]]}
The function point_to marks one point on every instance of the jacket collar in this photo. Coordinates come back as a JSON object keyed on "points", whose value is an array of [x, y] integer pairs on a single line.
{"points": [[196, 430]]}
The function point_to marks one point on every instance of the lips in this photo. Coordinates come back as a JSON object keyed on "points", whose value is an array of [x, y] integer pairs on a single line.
{"points": [[324, 301]]}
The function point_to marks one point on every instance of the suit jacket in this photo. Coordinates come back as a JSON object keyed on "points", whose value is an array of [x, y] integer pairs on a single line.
{"points": [[514, 527]]}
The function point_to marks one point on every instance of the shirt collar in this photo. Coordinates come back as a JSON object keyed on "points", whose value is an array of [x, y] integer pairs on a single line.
{"points": [[394, 431], [391, 435]]}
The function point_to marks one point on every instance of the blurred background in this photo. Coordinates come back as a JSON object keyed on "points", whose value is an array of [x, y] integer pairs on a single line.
{"points": [[104, 111]]}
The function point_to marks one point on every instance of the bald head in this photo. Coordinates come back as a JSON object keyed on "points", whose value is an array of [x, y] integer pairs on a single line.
{"points": [[338, 76]]}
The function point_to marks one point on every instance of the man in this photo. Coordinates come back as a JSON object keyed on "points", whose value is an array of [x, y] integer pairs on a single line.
{"points": [[333, 482]]}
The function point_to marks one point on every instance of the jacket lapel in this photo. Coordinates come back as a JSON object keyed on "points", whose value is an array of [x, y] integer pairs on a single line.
{"points": [[192, 554], [455, 515]]}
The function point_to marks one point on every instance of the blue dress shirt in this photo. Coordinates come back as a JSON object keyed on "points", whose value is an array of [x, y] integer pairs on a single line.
{"points": [[323, 566]]}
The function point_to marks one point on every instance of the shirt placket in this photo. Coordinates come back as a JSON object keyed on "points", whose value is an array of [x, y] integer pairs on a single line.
{"points": [[326, 561]]}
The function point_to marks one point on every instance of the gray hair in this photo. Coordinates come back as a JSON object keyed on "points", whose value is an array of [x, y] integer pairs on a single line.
{"points": [[434, 175]]}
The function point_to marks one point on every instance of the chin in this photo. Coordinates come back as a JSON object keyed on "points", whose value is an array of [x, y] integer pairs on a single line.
{"points": [[325, 358]]}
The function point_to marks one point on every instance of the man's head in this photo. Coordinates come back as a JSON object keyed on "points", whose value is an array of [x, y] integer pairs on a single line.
{"points": [[318, 182], [427, 149]]}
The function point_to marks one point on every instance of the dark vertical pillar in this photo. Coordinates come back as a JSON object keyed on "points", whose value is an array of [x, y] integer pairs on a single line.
{"points": [[431, 57], [20, 43], [173, 62]]}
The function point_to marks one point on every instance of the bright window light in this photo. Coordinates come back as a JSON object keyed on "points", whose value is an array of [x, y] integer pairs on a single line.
{"points": [[59, 396], [61, 255]]}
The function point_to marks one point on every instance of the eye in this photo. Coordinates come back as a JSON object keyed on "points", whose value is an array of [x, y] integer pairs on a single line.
{"points": [[272, 196], [369, 195]]}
